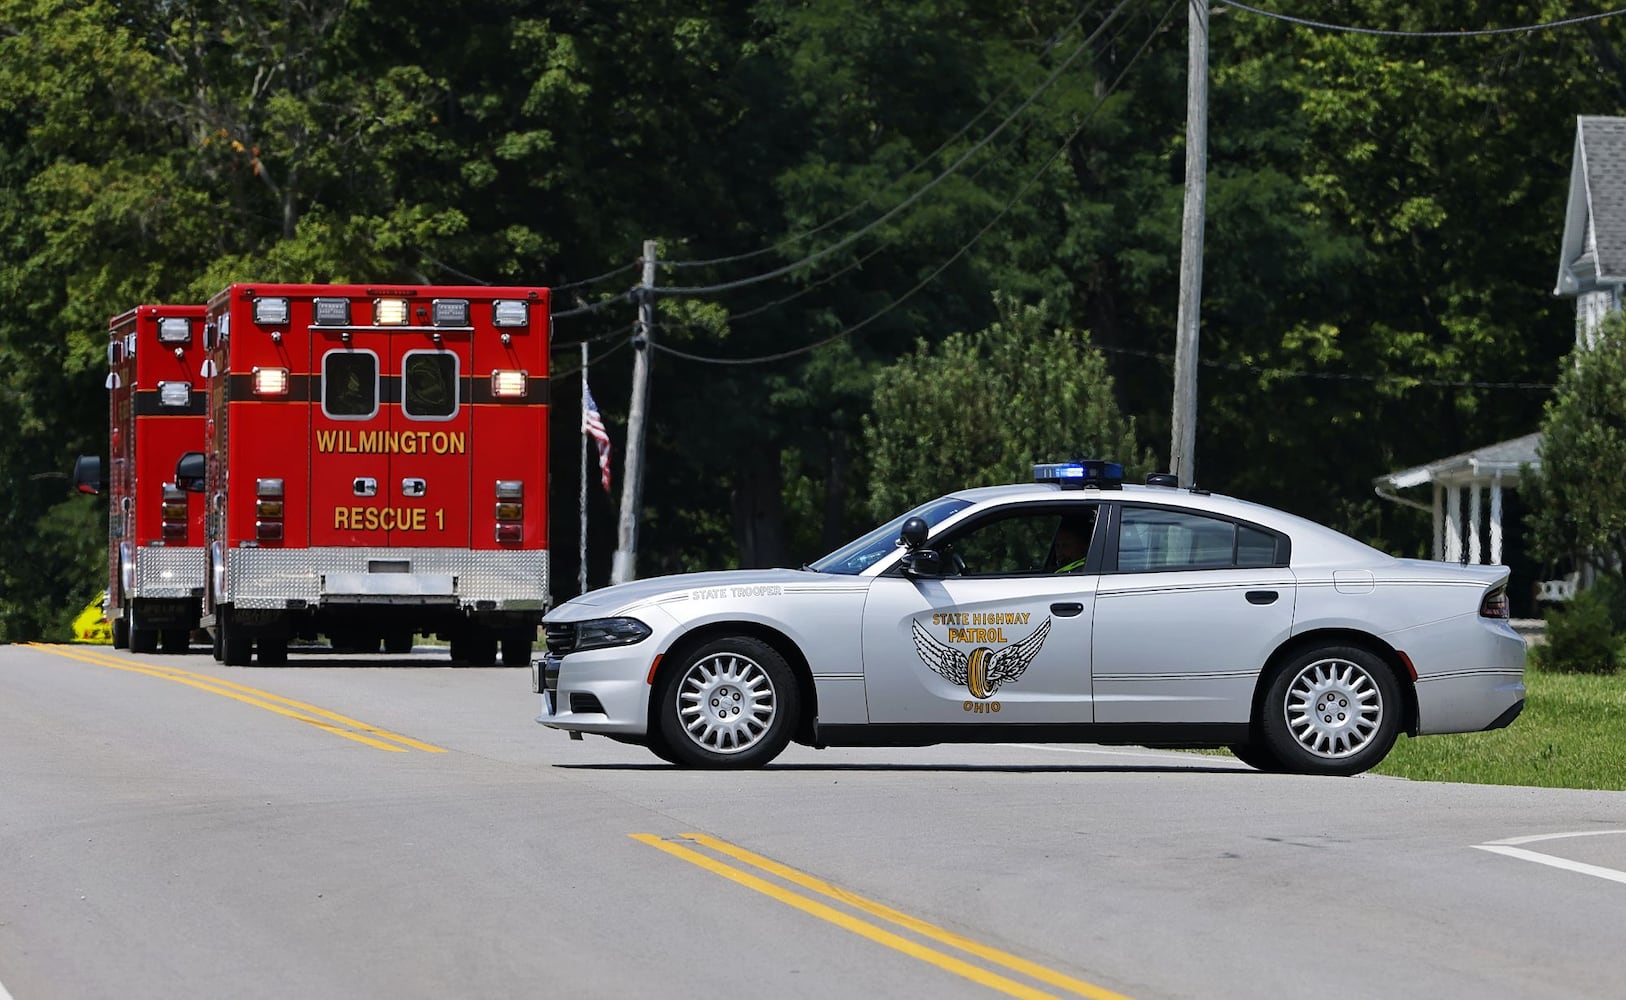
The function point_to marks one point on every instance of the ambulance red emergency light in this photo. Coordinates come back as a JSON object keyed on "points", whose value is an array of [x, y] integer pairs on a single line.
{"points": [[377, 468], [155, 527]]}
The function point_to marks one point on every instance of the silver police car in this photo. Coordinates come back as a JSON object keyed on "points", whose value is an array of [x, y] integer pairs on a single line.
{"points": [[1070, 609]]}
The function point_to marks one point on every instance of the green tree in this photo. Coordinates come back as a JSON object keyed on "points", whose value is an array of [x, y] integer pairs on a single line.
{"points": [[983, 408], [1578, 509]]}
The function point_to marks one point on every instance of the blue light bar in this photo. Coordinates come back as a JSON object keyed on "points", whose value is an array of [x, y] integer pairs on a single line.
{"points": [[1081, 475]]}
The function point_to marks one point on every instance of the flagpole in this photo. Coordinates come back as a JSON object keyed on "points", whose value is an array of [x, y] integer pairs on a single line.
{"points": [[581, 573]]}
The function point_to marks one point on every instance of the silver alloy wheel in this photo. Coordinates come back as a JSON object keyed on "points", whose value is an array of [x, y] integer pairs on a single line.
{"points": [[1333, 707], [726, 702]]}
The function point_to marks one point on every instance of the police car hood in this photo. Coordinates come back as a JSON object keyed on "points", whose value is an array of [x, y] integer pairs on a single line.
{"points": [[596, 603]]}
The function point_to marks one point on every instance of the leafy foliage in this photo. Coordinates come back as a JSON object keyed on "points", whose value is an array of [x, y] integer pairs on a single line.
{"points": [[1581, 637]]}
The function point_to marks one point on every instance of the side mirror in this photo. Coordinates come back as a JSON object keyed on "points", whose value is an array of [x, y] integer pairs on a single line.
{"points": [[923, 563], [87, 474], [189, 472], [913, 535]]}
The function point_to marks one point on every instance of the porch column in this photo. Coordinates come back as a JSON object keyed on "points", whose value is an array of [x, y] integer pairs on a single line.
{"points": [[1439, 523], [1496, 520], [1475, 553], [1453, 524]]}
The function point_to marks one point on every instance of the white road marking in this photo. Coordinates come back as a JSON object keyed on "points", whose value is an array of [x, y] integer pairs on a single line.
{"points": [[1504, 847]]}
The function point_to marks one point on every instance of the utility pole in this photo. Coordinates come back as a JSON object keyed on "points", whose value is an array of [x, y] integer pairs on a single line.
{"points": [[632, 469], [581, 575], [1183, 446]]}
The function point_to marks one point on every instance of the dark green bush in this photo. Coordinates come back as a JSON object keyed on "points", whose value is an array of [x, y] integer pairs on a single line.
{"points": [[1581, 636]]}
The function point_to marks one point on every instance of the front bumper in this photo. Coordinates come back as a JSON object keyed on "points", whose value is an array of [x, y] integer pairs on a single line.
{"points": [[596, 691]]}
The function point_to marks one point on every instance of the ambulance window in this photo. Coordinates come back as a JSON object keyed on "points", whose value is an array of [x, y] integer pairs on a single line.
{"points": [[429, 385], [350, 384]]}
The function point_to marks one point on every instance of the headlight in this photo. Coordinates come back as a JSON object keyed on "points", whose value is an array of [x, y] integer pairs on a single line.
{"points": [[597, 633]]}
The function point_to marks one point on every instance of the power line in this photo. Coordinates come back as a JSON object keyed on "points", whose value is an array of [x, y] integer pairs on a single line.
{"points": [[1333, 376], [950, 170], [595, 279], [560, 345], [1470, 33], [1054, 40], [594, 307], [854, 328], [567, 372]]}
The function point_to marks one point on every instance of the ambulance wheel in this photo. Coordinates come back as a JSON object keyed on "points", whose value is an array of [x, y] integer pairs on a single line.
{"points": [[121, 634], [480, 650], [516, 652], [143, 640], [236, 646], [731, 703], [214, 642], [273, 652], [398, 643], [174, 640]]}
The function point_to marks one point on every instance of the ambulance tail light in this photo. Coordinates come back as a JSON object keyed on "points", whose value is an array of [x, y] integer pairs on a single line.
{"points": [[173, 512], [270, 381], [389, 312], [508, 384], [268, 510], [510, 510], [271, 311]]}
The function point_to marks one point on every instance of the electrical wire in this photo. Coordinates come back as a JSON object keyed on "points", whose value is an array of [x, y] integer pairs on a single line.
{"points": [[950, 170], [1470, 33], [1054, 41], [594, 307], [1333, 376], [567, 372], [964, 248], [560, 345], [595, 279]]}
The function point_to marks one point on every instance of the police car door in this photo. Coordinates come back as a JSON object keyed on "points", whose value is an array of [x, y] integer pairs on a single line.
{"points": [[1001, 637], [1189, 608]]}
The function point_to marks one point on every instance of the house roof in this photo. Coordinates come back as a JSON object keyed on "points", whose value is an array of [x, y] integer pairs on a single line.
{"points": [[1503, 459], [1594, 248]]}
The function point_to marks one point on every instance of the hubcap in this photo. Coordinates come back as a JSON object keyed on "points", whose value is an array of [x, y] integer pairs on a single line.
{"points": [[1334, 708], [726, 703]]}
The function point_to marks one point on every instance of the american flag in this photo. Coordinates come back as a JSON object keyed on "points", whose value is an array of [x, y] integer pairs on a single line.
{"points": [[593, 427]]}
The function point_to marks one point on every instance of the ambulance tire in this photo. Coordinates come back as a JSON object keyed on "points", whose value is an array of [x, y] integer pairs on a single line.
{"points": [[398, 643], [121, 634], [174, 640], [143, 640], [516, 653], [273, 652], [236, 646], [214, 643]]}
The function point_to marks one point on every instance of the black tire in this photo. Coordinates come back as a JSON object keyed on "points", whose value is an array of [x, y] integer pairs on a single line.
{"points": [[143, 640], [1256, 756], [657, 745], [398, 643], [516, 652], [273, 652], [1331, 710], [214, 642], [121, 634], [175, 640], [480, 650], [236, 646], [731, 703]]}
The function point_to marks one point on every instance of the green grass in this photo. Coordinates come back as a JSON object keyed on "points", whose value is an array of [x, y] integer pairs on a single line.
{"points": [[1572, 734]]}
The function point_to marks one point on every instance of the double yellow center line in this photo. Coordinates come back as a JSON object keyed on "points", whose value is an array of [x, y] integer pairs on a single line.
{"points": [[684, 846], [321, 718]]}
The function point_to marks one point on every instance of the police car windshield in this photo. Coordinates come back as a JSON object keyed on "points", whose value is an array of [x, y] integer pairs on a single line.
{"points": [[854, 557]]}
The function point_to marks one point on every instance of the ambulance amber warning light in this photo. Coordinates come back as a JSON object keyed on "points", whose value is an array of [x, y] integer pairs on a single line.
{"points": [[389, 312], [508, 384], [331, 312], [270, 381], [270, 311]]}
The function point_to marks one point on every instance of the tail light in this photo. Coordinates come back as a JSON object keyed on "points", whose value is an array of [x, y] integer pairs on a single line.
{"points": [[268, 509], [174, 513], [1495, 604], [510, 510]]}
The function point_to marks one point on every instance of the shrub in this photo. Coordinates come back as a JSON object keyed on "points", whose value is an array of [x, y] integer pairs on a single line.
{"points": [[1581, 637]]}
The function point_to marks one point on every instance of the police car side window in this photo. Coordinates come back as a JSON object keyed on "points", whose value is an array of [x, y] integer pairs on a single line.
{"points": [[1150, 540], [1006, 546]]}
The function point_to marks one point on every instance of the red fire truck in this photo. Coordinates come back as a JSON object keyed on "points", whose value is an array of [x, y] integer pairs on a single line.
{"points": [[155, 526], [376, 468]]}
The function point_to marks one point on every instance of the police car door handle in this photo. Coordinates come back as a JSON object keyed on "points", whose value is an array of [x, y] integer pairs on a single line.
{"points": [[1262, 597], [1066, 609]]}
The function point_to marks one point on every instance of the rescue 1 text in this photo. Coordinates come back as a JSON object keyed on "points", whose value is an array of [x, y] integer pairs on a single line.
{"points": [[388, 518]]}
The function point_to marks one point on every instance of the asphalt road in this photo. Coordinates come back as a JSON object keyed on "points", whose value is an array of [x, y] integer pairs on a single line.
{"points": [[352, 827]]}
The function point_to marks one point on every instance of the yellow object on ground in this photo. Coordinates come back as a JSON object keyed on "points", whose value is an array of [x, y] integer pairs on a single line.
{"points": [[92, 625]]}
